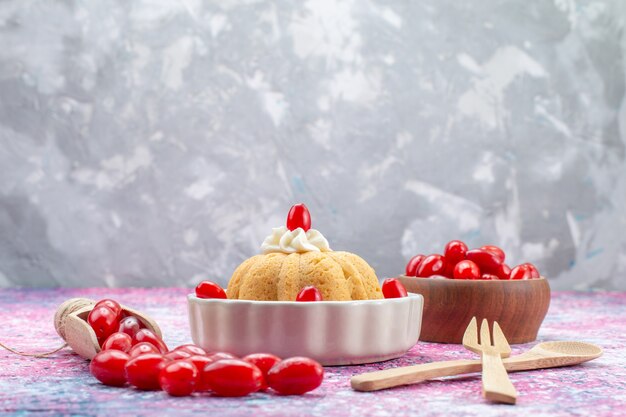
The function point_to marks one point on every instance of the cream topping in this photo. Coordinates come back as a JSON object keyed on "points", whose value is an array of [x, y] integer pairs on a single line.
{"points": [[295, 241]]}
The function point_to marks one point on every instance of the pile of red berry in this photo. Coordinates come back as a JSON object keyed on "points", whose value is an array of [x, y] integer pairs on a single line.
{"points": [[458, 262], [136, 356]]}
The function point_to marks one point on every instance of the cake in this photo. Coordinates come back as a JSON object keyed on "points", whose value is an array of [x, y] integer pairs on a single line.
{"points": [[296, 256]]}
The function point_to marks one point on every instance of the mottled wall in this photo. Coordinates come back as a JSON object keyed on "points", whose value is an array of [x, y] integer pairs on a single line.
{"points": [[156, 143]]}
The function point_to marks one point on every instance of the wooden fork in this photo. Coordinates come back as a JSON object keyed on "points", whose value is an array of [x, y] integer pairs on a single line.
{"points": [[497, 386]]}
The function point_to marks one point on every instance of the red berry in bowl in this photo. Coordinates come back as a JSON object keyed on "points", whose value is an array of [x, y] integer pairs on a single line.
{"points": [[143, 371], [466, 270], [431, 265], [499, 253], [503, 271], [299, 216], [143, 348], [178, 378], [412, 265], [521, 272], [448, 269], [295, 376], [112, 304], [263, 361], [108, 367], [233, 378], [146, 335], [393, 288], [489, 277], [130, 325], [486, 261], [191, 349], [103, 321], [534, 273], [208, 289], [455, 251], [200, 362], [118, 341], [309, 293]]}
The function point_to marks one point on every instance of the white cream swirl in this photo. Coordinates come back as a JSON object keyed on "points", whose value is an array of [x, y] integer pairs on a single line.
{"points": [[294, 241]]}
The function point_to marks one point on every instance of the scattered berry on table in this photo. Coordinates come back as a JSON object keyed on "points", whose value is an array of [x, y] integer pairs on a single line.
{"points": [[108, 367], [103, 321], [146, 335], [143, 371], [192, 349], [232, 378], [142, 349], [263, 361], [295, 376], [130, 325], [178, 378], [119, 341]]}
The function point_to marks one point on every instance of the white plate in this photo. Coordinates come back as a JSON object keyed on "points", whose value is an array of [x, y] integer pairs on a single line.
{"points": [[331, 332]]}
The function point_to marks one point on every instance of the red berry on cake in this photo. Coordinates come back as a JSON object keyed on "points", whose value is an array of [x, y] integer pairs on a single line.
{"points": [[299, 216], [309, 293], [393, 288], [208, 289]]}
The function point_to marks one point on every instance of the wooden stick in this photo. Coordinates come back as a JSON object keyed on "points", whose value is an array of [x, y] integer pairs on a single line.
{"points": [[374, 381], [496, 383]]}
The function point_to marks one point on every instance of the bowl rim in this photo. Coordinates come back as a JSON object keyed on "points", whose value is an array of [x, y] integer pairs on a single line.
{"points": [[191, 297], [439, 278]]}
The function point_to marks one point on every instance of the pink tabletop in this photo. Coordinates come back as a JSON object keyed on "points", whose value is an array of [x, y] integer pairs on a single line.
{"points": [[62, 385]]}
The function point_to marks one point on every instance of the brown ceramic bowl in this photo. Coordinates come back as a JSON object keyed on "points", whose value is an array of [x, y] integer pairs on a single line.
{"points": [[519, 307]]}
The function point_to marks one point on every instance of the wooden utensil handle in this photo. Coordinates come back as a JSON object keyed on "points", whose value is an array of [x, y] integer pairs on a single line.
{"points": [[378, 380], [496, 383]]}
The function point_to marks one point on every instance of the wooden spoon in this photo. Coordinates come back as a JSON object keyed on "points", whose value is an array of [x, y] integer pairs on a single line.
{"points": [[70, 322], [543, 355]]}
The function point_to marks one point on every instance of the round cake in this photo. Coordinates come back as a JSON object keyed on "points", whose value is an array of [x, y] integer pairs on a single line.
{"points": [[295, 257]]}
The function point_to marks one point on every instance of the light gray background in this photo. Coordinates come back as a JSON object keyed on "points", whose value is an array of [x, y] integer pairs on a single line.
{"points": [[156, 143]]}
